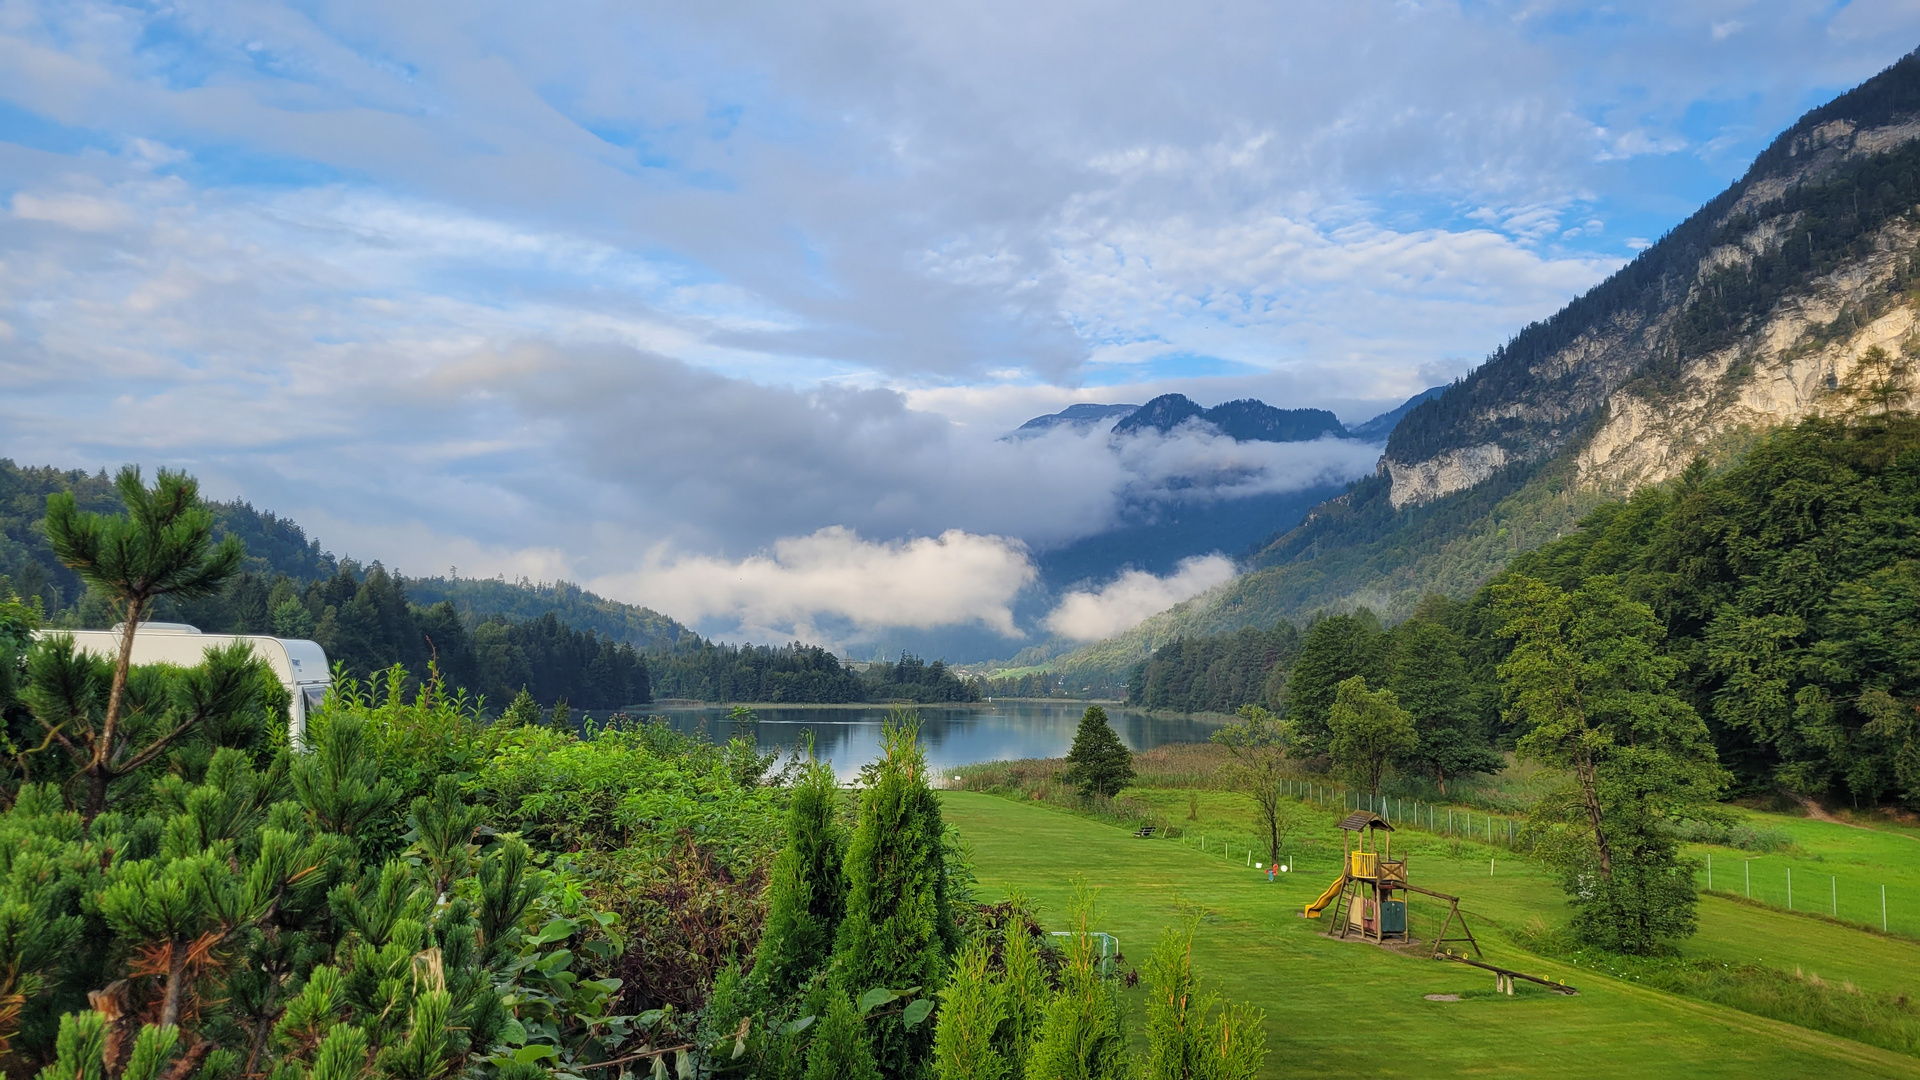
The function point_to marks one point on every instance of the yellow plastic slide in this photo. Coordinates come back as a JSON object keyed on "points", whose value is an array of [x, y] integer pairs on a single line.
{"points": [[1314, 909]]}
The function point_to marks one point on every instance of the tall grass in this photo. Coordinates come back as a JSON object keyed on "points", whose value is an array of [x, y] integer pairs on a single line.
{"points": [[1890, 1021], [1043, 780]]}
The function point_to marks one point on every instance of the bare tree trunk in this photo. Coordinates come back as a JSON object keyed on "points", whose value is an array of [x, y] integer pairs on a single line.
{"points": [[176, 983], [1583, 770], [100, 769]]}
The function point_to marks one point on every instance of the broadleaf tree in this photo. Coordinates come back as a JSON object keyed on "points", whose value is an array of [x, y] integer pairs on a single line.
{"points": [[1369, 729], [1590, 689], [1260, 744]]}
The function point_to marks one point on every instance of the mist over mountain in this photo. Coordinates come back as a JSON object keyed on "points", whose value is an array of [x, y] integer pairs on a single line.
{"points": [[1791, 294], [1083, 415], [1246, 420]]}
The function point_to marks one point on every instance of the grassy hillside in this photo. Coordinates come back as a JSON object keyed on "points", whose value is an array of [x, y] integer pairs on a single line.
{"points": [[1343, 1007]]}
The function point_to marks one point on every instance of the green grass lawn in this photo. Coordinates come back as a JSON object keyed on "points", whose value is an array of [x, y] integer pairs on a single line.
{"points": [[1830, 861], [1346, 1007]]}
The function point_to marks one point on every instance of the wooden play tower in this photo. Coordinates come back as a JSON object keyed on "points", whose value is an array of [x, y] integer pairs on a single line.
{"points": [[1369, 898]]}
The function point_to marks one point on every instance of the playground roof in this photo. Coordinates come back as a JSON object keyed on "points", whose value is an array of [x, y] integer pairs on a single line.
{"points": [[1365, 819]]}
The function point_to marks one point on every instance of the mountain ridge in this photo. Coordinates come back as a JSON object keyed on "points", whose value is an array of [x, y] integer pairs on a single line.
{"points": [[1787, 294]]}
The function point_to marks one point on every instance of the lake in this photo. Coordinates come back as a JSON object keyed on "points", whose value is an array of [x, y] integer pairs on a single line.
{"points": [[849, 736]]}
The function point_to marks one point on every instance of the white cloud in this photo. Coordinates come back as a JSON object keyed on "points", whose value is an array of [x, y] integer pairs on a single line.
{"points": [[76, 211], [1128, 600], [548, 295], [954, 578]]}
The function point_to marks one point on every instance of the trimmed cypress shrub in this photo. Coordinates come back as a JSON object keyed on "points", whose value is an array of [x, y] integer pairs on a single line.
{"points": [[1082, 1038], [972, 1009], [1186, 1038], [891, 936], [807, 894], [841, 1050]]}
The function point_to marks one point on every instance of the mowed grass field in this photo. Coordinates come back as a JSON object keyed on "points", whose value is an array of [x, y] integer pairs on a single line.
{"points": [[1345, 1007]]}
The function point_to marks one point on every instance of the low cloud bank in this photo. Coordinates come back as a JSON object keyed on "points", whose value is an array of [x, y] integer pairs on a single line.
{"points": [[950, 579], [1131, 598]]}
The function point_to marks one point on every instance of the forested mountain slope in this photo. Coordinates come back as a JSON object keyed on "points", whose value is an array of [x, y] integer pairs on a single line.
{"points": [[1785, 591], [1793, 293], [489, 637]]}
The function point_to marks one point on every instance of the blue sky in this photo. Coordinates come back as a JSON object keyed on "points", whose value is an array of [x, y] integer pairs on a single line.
{"points": [[667, 298]]}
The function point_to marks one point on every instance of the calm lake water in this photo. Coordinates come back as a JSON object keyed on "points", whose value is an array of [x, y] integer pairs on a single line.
{"points": [[849, 736]]}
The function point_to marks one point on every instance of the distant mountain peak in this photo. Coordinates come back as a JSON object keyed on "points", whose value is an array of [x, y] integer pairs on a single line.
{"points": [[1245, 420], [1082, 415]]}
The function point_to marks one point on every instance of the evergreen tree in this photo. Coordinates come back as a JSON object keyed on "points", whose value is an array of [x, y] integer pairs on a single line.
{"points": [[1369, 730], [1081, 1038], [1186, 1040], [1101, 763], [1588, 686], [972, 1010], [1336, 649], [892, 936], [521, 711], [841, 1050], [162, 547], [1026, 996], [230, 698], [807, 892]]}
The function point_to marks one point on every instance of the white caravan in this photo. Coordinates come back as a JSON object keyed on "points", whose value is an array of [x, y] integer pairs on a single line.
{"points": [[300, 665]]}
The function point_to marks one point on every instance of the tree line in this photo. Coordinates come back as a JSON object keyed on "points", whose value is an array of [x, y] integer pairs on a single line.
{"points": [[799, 674], [1785, 591], [489, 638]]}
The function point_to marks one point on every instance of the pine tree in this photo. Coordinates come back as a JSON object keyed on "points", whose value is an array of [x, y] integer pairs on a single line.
{"points": [[229, 696], [891, 936], [163, 546], [807, 893], [521, 711], [1101, 763]]}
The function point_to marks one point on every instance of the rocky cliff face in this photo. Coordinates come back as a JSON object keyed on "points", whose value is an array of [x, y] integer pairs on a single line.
{"points": [[1754, 312], [1781, 372]]}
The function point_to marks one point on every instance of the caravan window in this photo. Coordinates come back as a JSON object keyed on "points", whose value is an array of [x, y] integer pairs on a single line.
{"points": [[315, 696]]}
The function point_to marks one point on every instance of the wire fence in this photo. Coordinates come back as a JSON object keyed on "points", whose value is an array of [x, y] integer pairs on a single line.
{"points": [[1777, 881], [1439, 819]]}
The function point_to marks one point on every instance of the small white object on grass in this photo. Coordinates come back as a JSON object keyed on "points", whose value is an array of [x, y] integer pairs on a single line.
{"points": [[1284, 868]]}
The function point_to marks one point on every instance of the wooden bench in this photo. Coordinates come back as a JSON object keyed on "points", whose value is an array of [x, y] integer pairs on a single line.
{"points": [[1144, 832]]}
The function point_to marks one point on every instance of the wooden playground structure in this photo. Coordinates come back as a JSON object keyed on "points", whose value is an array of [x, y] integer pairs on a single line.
{"points": [[1369, 898]]}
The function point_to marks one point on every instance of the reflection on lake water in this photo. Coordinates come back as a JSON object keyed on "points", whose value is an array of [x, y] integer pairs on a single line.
{"points": [[849, 736]]}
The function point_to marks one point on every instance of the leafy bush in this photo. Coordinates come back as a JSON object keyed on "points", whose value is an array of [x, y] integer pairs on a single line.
{"points": [[1743, 837]]}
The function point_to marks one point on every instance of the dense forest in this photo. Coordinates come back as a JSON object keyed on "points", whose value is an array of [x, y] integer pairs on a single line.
{"points": [[798, 674], [489, 638], [1786, 589]]}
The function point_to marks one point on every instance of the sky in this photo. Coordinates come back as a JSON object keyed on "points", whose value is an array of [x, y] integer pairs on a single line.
{"points": [[724, 308]]}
